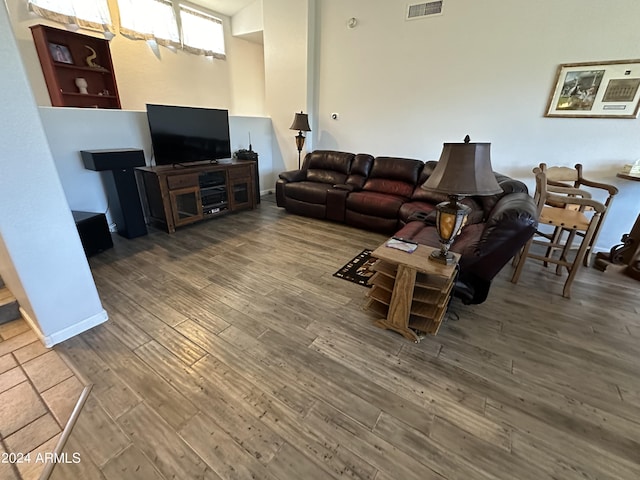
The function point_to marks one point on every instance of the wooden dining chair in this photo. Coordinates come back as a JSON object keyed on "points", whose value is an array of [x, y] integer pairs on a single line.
{"points": [[565, 176], [565, 209]]}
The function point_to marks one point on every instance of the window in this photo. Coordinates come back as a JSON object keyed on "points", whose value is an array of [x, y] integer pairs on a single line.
{"points": [[197, 32], [149, 20], [201, 33], [93, 14]]}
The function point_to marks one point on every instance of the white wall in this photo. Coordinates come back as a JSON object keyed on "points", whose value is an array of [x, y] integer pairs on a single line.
{"points": [[70, 130], [286, 58], [261, 130], [484, 69], [248, 20], [246, 78], [43, 262], [144, 76]]}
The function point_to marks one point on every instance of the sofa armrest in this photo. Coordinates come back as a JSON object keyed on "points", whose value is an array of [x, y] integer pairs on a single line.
{"points": [[336, 202], [511, 185], [357, 181], [345, 187], [515, 209], [284, 178], [510, 225], [293, 175], [424, 217]]}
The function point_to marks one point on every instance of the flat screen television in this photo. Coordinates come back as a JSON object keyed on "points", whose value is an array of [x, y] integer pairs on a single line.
{"points": [[188, 134]]}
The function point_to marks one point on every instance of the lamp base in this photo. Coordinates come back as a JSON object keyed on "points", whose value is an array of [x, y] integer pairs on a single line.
{"points": [[445, 258], [299, 145]]}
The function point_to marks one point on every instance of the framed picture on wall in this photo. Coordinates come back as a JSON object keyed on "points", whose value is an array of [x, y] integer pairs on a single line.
{"points": [[60, 53], [596, 90]]}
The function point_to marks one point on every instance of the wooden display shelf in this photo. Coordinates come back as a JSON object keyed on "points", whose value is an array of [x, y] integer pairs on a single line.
{"points": [[77, 60], [410, 291], [376, 307], [380, 295], [383, 281], [386, 268], [87, 95], [432, 282], [432, 295], [80, 68], [427, 324]]}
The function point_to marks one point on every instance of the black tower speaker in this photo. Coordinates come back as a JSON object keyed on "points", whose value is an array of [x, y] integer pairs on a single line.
{"points": [[121, 186]]}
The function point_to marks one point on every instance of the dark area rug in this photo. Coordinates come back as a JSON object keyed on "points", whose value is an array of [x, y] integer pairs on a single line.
{"points": [[357, 270]]}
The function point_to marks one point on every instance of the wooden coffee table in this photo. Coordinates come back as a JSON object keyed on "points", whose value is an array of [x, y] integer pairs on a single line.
{"points": [[410, 291]]}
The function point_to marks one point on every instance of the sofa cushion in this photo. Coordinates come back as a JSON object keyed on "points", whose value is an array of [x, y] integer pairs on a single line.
{"points": [[422, 195], [293, 175], [466, 243], [360, 168], [310, 192], [395, 176], [325, 166], [326, 176], [373, 223], [329, 160], [375, 204], [314, 210], [390, 187], [477, 214], [409, 208], [392, 168]]}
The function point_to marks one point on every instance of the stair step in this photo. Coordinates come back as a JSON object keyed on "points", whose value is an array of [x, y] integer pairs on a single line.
{"points": [[8, 306]]}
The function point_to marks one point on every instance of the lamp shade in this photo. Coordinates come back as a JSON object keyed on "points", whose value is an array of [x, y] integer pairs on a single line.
{"points": [[464, 169], [300, 123]]}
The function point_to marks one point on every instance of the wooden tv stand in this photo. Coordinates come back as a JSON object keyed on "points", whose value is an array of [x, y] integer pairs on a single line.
{"points": [[177, 195]]}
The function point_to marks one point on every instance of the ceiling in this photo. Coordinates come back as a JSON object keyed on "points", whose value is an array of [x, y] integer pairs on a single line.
{"points": [[223, 7]]}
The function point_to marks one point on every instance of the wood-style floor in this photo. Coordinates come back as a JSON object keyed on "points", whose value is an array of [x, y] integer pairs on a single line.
{"points": [[232, 352]]}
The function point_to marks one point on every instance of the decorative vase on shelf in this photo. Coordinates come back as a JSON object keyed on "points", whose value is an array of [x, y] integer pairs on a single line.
{"points": [[82, 85]]}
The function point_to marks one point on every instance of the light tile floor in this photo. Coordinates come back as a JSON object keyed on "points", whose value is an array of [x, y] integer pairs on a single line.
{"points": [[38, 392]]}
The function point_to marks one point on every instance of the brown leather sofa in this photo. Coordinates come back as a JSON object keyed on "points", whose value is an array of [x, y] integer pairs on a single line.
{"points": [[389, 185], [383, 194]]}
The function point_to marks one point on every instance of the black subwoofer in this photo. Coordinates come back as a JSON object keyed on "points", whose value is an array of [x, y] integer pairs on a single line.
{"points": [[94, 231]]}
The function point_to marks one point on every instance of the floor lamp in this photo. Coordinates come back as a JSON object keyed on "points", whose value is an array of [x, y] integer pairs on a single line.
{"points": [[300, 123]]}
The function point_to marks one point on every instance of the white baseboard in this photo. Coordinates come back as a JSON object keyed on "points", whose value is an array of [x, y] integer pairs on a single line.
{"points": [[66, 333]]}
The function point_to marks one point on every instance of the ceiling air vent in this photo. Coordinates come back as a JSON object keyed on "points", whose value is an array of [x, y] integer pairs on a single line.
{"points": [[422, 10]]}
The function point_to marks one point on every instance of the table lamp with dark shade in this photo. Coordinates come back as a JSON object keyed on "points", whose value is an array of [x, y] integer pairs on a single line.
{"points": [[464, 169], [300, 123]]}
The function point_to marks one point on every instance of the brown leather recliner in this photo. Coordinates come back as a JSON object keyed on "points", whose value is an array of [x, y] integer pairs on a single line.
{"points": [[485, 247], [320, 188], [389, 185], [305, 191]]}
